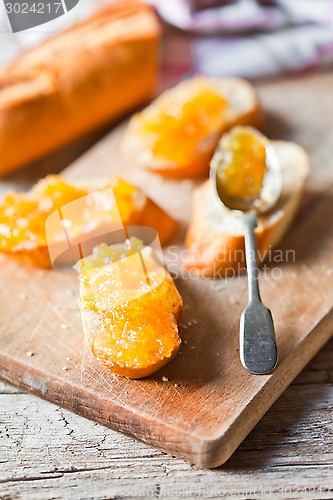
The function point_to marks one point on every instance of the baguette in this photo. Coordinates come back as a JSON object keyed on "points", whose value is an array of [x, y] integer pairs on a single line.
{"points": [[76, 81], [242, 108], [215, 238]]}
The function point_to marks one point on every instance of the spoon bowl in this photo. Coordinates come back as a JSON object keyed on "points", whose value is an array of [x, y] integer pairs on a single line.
{"points": [[271, 188]]}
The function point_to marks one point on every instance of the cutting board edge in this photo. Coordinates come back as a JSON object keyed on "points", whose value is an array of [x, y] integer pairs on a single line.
{"points": [[202, 451]]}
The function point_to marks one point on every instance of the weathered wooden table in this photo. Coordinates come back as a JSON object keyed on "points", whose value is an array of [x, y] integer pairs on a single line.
{"points": [[47, 452]]}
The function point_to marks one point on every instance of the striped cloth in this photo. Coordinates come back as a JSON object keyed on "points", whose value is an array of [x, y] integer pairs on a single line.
{"points": [[252, 39]]}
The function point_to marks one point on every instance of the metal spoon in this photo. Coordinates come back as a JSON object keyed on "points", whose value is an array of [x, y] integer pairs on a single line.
{"points": [[258, 350]]}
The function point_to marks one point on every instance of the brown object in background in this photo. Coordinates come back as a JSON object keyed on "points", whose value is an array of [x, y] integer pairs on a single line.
{"points": [[91, 73], [197, 5]]}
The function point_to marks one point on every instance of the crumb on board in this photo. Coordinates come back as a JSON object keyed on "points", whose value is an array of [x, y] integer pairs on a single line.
{"points": [[234, 301], [30, 354], [68, 359], [63, 326], [64, 368], [165, 379], [189, 323]]}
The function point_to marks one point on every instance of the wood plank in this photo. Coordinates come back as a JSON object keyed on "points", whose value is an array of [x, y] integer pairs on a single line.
{"points": [[216, 403]]}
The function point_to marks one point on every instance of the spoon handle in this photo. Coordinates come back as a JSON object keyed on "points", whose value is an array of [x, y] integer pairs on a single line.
{"points": [[250, 223], [258, 349]]}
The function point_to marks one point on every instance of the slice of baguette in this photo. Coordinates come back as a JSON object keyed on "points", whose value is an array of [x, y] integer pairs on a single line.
{"points": [[242, 109], [130, 325], [78, 80], [215, 238], [56, 245]]}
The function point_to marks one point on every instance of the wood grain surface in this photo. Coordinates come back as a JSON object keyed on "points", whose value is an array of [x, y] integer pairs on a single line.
{"points": [[216, 403], [47, 452]]}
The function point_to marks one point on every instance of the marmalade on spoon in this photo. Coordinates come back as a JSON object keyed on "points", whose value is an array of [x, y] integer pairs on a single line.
{"points": [[241, 166]]}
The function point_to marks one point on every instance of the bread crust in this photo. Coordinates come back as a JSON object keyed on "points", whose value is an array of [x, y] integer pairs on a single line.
{"points": [[76, 81]]}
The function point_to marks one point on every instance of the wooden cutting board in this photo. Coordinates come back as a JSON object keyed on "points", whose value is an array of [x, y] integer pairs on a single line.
{"points": [[206, 402]]}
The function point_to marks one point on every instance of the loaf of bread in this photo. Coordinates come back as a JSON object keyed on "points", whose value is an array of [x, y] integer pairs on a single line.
{"points": [[88, 75]]}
